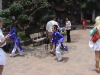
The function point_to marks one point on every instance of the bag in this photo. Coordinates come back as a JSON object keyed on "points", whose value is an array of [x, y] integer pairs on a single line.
{"points": [[5, 48], [95, 37], [46, 40]]}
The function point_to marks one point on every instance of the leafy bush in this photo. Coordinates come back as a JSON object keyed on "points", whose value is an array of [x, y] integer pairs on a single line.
{"points": [[16, 9], [5, 13], [23, 17], [7, 22], [45, 18], [26, 4], [22, 36]]}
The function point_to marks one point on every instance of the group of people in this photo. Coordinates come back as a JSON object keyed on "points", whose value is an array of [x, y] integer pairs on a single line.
{"points": [[56, 38]]}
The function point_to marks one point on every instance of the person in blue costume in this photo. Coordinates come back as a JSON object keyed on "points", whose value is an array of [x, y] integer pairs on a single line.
{"points": [[57, 39], [16, 42]]}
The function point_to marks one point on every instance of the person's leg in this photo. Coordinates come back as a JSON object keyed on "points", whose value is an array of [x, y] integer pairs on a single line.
{"points": [[20, 50], [68, 36], [51, 47], [1, 69], [97, 58], [58, 52], [84, 26], [99, 55], [13, 51], [50, 37]]}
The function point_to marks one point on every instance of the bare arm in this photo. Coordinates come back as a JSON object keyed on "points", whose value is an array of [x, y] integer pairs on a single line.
{"points": [[5, 39]]}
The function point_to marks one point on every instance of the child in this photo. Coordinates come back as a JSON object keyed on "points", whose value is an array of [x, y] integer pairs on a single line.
{"points": [[57, 39], [16, 42], [84, 22]]}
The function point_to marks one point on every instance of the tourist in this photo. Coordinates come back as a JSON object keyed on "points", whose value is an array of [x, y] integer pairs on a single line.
{"points": [[96, 45], [2, 44], [68, 29], [49, 31]]}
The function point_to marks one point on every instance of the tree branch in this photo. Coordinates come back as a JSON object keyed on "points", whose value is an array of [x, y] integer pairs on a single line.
{"points": [[33, 14]]}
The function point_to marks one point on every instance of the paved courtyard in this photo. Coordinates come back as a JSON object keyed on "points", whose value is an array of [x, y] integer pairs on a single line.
{"points": [[79, 60]]}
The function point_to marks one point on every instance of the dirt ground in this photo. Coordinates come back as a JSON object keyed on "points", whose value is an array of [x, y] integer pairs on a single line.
{"points": [[78, 60]]}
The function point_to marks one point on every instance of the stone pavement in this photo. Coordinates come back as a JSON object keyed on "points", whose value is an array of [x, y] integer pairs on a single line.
{"points": [[79, 60]]}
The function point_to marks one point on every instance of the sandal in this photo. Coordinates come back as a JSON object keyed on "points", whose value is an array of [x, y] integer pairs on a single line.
{"points": [[97, 70], [52, 52]]}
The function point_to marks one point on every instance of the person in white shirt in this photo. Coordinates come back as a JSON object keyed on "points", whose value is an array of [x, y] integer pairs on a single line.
{"points": [[49, 31], [2, 43], [68, 28]]}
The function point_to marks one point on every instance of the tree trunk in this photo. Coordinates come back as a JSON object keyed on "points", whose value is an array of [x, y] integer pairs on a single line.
{"points": [[81, 15], [93, 16]]}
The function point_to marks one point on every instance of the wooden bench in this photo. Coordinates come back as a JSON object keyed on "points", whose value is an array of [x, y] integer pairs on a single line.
{"points": [[38, 38]]}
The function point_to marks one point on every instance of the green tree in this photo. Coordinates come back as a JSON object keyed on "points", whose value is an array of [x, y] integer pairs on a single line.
{"points": [[30, 11]]}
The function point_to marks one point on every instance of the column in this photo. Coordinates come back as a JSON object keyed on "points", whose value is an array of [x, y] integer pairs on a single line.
{"points": [[0, 5], [93, 16]]}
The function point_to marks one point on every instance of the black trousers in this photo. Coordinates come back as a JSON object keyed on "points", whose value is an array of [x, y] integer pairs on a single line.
{"points": [[68, 36]]}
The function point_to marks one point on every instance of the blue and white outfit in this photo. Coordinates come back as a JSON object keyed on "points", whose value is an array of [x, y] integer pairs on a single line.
{"points": [[2, 53], [57, 39], [95, 46], [16, 42]]}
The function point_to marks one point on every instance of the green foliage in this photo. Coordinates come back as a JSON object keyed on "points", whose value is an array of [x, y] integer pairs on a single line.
{"points": [[83, 5], [23, 17], [25, 3], [5, 13], [43, 3], [40, 10], [47, 17], [7, 22], [22, 9], [16, 9], [98, 5], [22, 36]]}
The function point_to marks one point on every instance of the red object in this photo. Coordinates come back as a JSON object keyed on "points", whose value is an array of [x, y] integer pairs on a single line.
{"points": [[84, 22], [95, 37]]}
